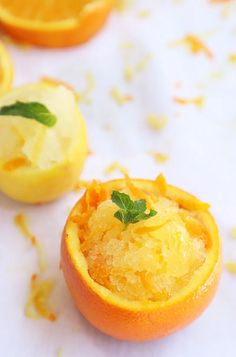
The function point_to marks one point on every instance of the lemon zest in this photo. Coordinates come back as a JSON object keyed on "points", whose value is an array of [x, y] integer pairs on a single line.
{"points": [[232, 58], [36, 305], [120, 98], [231, 267], [159, 157], [198, 101], [195, 45], [20, 221], [156, 122]]}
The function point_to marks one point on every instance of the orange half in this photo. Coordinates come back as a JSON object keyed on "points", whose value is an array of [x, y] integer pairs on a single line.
{"points": [[56, 23], [138, 320], [6, 70]]}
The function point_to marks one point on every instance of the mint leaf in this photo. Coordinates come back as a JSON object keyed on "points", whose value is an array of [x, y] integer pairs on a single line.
{"points": [[130, 211], [30, 110], [122, 200]]}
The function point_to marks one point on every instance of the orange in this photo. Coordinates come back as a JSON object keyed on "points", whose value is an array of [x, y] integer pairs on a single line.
{"points": [[58, 23], [115, 312], [6, 70]]}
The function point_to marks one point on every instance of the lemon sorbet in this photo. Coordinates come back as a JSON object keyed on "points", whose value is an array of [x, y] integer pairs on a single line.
{"points": [[143, 255], [40, 159]]}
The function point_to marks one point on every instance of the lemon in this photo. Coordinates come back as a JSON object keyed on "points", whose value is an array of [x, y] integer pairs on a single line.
{"points": [[39, 164]]}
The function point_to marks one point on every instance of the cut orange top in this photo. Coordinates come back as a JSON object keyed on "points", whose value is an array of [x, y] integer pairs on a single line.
{"points": [[146, 280]]}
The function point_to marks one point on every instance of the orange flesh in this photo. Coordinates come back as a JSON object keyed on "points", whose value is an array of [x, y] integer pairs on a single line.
{"points": [[149, 261], [51, 10]]}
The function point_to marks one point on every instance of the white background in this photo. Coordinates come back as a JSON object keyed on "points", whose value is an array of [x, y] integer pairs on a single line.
{"points": [[201, 144]]}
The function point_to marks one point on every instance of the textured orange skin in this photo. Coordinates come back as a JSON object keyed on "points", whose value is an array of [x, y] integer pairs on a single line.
{"points": [[87, 27], [137, 325]]}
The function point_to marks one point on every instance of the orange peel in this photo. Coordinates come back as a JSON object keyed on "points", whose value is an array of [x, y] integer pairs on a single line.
{"points": [[131, 319]]}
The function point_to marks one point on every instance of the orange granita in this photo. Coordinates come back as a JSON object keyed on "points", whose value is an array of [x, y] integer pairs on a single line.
{"points": [[149, 260]]}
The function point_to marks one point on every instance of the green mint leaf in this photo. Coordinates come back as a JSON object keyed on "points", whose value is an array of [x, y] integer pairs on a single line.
{"points": [[130, 211], [140, 205], [122, 200], [30, 110]]}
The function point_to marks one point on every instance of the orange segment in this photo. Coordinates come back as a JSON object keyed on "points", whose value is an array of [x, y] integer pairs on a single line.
{"points": [[55, 23], [6, 70], [148, 280]]}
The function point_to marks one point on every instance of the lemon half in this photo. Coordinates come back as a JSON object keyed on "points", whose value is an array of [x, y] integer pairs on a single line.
{"points": [[39, 164]]}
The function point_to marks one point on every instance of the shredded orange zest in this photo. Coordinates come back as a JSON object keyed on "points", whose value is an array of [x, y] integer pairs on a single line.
{"points": [[120, 98], [156, 122], [231, 267], [36, 305], [195, 45], [84, 96], [115, 166], [161, 184], [198, 101], [232, 58], [159, 157], [15, 164], [130, 71], [233, 232], [55, 82], [20, 221]]}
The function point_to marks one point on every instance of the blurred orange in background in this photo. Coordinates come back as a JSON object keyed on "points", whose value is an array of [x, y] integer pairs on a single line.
{"points": [[55, 23], [6, 70]]}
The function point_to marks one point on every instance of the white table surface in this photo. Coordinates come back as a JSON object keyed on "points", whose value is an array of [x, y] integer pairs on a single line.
{"points": [[201, 144]]}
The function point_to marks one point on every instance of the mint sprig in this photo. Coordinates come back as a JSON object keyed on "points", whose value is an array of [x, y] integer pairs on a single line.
{"points": [[30, 110], [130, 211]]}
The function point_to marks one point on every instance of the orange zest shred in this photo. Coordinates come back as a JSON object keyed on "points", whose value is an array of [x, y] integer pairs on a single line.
{"points": [[55, 82], [198, 101], [231, 267], [232, 58], [156, 122], [36, 305], [195, 45], [20, 221], [161, 185], [159, 157], [15, 164], [116, 166], [233, 232], [120, 98]]}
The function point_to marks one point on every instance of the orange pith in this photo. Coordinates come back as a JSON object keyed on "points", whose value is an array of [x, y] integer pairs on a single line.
{"points": [[139, 318], [6, 70], [56, 23]]}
